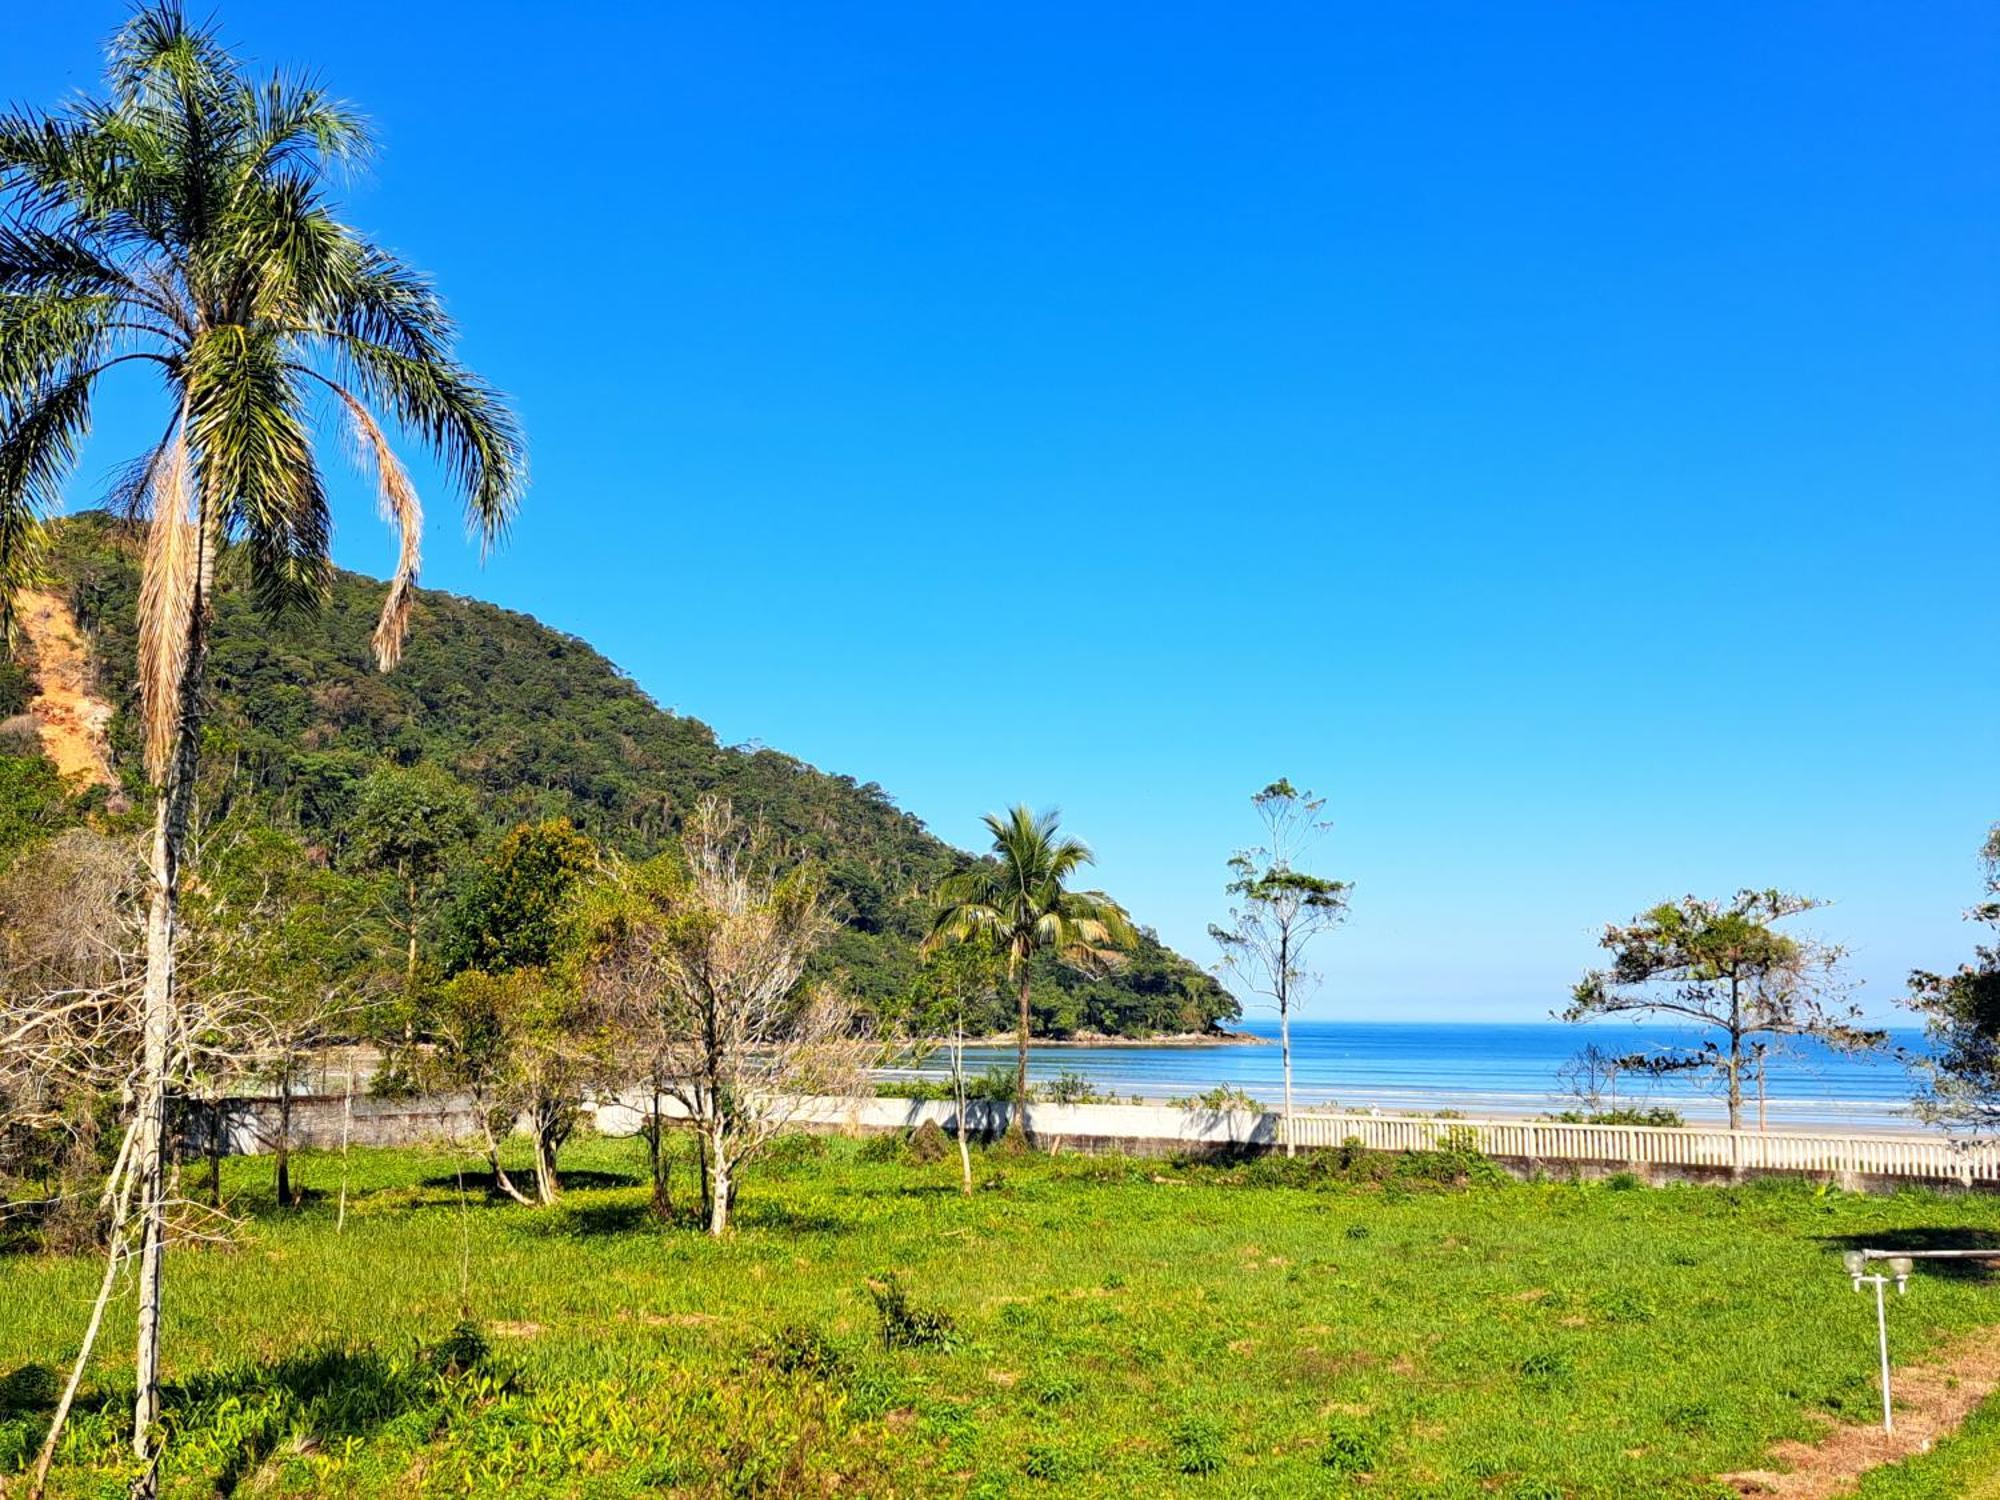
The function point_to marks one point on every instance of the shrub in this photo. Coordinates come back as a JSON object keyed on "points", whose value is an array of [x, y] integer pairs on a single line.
{"points": [[1658, 1117], [462, 1350], [1545, 1367], [1069, 1087], [889, 1146], [1197, 1441], [1054, 1388], [800, 1349], [1221, 1098], [906, 1324], [1045, 1461], [794, 1149], [1351, 1448], [929, 1144]]}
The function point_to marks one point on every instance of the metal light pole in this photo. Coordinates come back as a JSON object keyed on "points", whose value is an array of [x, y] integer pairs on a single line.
{"points": [[1900, 1266]]}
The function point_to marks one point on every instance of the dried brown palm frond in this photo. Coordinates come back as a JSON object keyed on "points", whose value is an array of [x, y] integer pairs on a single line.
{"points": [[401, 509], [167, 602]]}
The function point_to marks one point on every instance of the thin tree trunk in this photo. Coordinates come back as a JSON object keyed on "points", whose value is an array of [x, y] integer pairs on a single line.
{"points": [[118, 1191], [215, 1126], [719, 1184], [1020, 1124], [1285, 1029], [285, 1198], [656, 1148], [500, 1178], [546, 1186], [346, 1128], [958, 1087]]}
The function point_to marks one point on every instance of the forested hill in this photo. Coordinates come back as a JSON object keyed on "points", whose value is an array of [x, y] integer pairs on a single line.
{"points": [[541, 725]]}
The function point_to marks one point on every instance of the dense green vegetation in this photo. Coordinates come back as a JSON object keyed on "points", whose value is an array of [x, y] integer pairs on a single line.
{"points": [[537, 725], [1078, 1326]]}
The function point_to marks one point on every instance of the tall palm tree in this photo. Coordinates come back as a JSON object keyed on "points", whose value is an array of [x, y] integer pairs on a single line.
{"points": [[1019, 903], [182, 225]]}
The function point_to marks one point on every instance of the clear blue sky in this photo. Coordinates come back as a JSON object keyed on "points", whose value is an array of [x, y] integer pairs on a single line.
{"points": [[1565, 435]]}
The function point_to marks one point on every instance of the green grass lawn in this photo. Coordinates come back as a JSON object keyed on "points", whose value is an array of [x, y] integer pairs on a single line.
{"points": [[1115, 1327]]}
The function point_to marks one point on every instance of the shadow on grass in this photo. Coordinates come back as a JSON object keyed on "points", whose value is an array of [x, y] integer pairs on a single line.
{"points": [[591, 1220], [485, 1185], [1928, 1237], [757, 1215]]}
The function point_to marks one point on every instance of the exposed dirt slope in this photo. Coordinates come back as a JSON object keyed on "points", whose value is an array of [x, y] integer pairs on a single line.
{"points": [[73, 721], [1931, 1400]]}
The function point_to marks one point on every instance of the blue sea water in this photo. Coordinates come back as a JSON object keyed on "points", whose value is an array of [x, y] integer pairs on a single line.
{"points": [[1475, 1068]]}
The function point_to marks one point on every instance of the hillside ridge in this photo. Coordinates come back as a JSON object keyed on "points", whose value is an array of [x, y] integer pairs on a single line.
{"points": [[538, 724]]}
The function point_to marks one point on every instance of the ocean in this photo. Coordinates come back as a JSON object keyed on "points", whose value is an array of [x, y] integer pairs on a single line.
{"points": [[1474, 1068]]}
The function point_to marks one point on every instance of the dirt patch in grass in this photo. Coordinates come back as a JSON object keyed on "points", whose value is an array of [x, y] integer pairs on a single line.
{"points": [[1931, 1401], [73, 722]]}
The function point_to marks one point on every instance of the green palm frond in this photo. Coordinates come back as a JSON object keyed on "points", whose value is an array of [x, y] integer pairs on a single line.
{"points": [[185, 220]]}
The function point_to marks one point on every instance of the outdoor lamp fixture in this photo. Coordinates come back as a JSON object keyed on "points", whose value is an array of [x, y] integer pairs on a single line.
{"points": [[1899, 1269]]}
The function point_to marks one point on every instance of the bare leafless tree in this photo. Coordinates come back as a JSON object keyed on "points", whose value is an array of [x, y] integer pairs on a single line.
{"points": [[703, 959]]}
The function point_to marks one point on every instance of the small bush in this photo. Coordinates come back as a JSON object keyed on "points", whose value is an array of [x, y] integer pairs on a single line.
{"points": [[462, 1350], [906, 1324], [1054, 1388], [1047, 1462], [1351, 1448], [929, 1144], [889, 1146], [1623, 1182], [1222, 1098], [800, 1349], [795, 1149], [1356, 1231], [1197, 1442], [1069, 1087], [1545, 1367]]}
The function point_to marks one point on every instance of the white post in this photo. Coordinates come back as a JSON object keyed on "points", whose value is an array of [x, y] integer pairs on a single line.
{"points": [[1882, 1338]]}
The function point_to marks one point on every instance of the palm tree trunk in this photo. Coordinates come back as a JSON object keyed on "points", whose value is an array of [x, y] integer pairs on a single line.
{"points": [[170, 826], [157, 1011]]}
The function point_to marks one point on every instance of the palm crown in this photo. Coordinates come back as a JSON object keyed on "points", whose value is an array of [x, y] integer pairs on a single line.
{"points": [[1020, 904], [1020, 901], [183, 224]]}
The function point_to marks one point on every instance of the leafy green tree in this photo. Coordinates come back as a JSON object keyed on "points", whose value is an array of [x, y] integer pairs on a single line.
{"points": [[1279, 911], [409, 821], [954, 991], [1724, 966], [297, 941], [181, 226], [526, 1044], [1018, 903], [1961, 1012], [33, 803], [511, 916]]}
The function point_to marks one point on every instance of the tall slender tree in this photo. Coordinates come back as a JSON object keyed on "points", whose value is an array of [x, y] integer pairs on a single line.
{"points": [[182, 226], [1279, 911], [1019, 903]]}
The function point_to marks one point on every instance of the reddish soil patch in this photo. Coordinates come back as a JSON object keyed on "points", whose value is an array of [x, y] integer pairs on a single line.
{"points": [[72, 720], [1931, 1400]]}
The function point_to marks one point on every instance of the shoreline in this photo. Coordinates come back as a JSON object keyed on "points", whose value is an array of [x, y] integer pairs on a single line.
{"points": [[1082, 1039]]}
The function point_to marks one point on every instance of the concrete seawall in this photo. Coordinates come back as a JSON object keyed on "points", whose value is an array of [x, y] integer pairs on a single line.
{"points": [[1873, 1163]]}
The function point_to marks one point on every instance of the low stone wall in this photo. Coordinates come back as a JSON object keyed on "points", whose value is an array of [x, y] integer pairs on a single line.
{"points": [[250, 1127]]}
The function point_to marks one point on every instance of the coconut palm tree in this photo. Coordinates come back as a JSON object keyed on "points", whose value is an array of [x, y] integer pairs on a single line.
{"points": [[1019, 903], [182, 226]]}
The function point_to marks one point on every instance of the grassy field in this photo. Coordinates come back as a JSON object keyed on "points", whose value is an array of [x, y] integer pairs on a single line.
{"points": [[1088, 1327]]}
